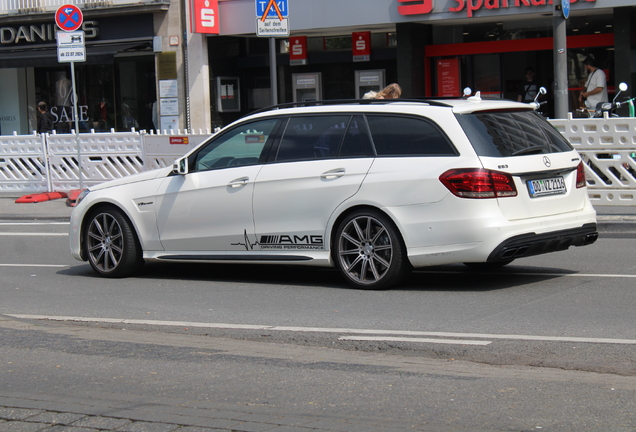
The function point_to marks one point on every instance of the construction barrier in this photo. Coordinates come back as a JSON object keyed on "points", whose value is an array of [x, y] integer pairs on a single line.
{"points": [[608, 148], [22, 165], [35, 164]]}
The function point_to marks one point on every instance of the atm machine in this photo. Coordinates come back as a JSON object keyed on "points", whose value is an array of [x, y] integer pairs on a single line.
{"points": [[307, 86], [369, 80]]}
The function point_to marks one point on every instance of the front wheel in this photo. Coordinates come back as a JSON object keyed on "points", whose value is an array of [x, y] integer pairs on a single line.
{"points": [[111, 244], [369, 251]]}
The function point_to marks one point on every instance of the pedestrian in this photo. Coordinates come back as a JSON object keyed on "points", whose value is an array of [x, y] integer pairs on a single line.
{"points": [[46, 122], [595, 89], [529, 89], [392, 91]]}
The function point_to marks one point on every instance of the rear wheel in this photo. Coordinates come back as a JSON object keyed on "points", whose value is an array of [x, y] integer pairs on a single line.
{"points": [[112, 246], [369, 251]]}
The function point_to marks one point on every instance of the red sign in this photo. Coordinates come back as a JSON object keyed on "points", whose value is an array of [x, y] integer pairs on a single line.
{"points": [[298, 50], [179, 140], [205, 16], [416, 7], [361, 42], [448, 77], [423, 7], [69, 17]]}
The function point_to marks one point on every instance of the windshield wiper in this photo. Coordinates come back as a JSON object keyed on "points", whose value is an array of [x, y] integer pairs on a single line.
{"points": [[530, 150]]}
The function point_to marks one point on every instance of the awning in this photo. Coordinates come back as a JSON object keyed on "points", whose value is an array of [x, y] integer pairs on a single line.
{"points": [[47, 57]]}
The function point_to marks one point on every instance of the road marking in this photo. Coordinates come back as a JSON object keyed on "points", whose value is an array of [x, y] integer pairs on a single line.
{"points": [[419, 340], [34, 223], [328, 330], [32, 234], [34, 265], [595, 275]]}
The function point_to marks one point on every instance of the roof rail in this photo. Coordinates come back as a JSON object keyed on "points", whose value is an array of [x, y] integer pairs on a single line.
{"points": [[427, 101]]}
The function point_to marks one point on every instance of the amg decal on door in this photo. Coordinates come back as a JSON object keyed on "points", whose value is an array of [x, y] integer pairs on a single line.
{"points": [[297, 242]]}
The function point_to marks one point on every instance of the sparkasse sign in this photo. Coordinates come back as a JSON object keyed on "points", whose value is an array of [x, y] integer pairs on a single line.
{"points": [[418, 7]]}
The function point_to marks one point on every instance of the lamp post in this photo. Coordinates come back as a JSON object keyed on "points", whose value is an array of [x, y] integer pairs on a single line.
{"points": [[560, 15]]}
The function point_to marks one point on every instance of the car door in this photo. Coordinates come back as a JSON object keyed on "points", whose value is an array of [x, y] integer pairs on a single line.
{"points": [[319, 163], [210, 207]]}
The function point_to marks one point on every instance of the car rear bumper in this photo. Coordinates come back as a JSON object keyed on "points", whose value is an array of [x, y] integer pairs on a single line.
{"points": [[526, 245], [480, 233]]}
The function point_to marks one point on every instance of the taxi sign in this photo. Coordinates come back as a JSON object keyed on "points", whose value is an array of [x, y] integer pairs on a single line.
{"points": [[272, 9], [69, 17]]}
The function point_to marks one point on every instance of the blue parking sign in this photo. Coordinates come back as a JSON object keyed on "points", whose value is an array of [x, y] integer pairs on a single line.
{"points": [[270, 6]]}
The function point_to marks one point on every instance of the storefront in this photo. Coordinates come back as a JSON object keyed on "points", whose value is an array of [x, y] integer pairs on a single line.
{"points": [[429, 48], [115, 86]]}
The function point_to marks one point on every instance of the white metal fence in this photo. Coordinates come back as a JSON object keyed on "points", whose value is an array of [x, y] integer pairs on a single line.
{"points": [[104, 156], [607, 146]]}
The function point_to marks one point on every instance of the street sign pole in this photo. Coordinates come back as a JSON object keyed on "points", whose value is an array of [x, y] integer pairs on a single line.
{"points": [[77, 140], [272, 70], [71, 46], [278, 26], [560, 56]]}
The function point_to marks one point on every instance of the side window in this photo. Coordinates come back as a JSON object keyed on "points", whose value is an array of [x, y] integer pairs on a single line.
{"points": [[357, 142], [240, 146], [408, 136], [308, 138]]}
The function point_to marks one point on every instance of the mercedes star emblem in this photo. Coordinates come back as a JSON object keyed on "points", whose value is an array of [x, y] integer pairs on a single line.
{"points": [[546, 161]]}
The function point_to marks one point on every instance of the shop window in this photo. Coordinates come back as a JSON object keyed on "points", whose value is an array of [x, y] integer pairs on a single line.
{"points": [[337, 43]]}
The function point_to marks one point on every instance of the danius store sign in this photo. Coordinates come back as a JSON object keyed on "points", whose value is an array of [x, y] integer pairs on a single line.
{"points": [[469, 7]]}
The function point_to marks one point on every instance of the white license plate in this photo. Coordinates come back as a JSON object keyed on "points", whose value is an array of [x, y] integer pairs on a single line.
{"points": [[550, 186]]}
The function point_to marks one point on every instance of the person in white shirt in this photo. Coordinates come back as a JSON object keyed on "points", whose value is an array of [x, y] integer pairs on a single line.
{"points": [[595, 90]]}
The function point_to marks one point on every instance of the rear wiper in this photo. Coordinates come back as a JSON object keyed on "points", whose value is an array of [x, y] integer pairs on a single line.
{"points": [[530, 150]]}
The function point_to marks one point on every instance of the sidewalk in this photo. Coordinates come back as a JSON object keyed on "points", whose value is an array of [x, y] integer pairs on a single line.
{"points": [[610, 218], [96, 412]]}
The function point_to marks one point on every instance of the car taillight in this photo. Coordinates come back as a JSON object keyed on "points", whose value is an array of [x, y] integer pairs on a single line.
{"points": [[479, 183], [580, 176]]}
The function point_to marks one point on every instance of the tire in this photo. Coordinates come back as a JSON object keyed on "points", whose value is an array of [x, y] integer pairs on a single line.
{"points": [[369, 251], [485, 266], [111, 244]]}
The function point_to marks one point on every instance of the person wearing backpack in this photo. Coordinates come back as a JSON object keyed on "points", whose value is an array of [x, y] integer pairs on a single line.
{"points": [[46, 122]]}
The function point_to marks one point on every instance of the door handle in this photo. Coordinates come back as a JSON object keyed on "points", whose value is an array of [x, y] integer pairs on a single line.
{"points": [[239, 182], [334, 173]]}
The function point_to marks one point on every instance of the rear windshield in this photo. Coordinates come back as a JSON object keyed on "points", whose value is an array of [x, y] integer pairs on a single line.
{"points": [[505, 134]]}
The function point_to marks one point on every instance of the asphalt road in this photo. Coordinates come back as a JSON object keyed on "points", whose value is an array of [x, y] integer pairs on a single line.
{"points": [[547, 343]]}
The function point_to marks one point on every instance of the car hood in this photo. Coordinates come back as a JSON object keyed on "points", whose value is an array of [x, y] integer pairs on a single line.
{"points": [[134, 178]]}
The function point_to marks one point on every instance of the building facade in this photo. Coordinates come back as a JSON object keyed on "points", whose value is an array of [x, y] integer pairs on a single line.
{"points": [[199, 64], [134, 51], [431, 48]]}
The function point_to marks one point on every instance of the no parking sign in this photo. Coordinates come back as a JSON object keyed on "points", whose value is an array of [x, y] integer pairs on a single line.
{"points": [[69, 17]]}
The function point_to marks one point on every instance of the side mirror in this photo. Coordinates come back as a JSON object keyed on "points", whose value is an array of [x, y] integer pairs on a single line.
{"points": [[541, 91], [621, 88], [180, 166]]}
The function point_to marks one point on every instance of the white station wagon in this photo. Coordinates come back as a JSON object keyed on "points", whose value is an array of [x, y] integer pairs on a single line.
{"points": [[374, 188]]}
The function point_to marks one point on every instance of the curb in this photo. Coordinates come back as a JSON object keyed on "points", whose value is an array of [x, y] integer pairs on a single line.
{"points": [[41, 197]]}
